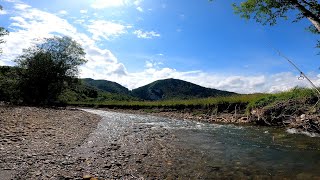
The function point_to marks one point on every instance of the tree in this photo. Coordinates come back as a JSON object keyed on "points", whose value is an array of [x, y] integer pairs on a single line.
{"points": [[3, 32], [268, 11], [48, 68]]}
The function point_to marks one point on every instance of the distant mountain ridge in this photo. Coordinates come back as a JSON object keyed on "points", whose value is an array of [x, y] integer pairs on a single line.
{"points": [[165, 89], [176, 89], [106, 86]]}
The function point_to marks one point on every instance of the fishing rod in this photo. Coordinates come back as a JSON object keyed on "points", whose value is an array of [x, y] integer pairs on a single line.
{"points": [[302, 75]]}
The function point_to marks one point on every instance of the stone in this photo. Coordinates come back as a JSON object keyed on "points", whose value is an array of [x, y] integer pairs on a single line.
{"points": [[86, 176]]}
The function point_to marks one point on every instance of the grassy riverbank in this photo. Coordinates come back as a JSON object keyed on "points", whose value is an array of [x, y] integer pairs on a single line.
{"points": [[244, 103], [295, 108]]}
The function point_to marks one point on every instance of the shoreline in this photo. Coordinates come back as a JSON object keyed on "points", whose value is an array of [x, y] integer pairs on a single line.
{"points": [[307, 124], [35, 142]]}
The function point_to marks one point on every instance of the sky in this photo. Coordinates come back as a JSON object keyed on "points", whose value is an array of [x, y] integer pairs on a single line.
{"points": [[135, 42]]}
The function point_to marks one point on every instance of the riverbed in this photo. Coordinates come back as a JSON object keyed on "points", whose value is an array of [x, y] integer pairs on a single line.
{"points": [[207, 151], [39, 143]]}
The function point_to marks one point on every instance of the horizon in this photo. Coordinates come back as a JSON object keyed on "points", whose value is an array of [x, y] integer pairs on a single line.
{"points": [[138, 42]]}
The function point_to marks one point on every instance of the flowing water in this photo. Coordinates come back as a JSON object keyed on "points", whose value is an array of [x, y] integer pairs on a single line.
{"points": [[230, 151]]}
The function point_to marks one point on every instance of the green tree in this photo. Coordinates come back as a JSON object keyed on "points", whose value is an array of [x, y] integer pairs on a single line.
{"points": [[48, 68], [269, 11], [9, 84], [3, 32]]}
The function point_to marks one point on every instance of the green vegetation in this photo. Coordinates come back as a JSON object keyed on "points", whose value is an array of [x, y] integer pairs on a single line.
{"points": [[243, 103], [106, 86], [44, 71], [304, 96], [10, 78], [3, 32], [222, 103]]}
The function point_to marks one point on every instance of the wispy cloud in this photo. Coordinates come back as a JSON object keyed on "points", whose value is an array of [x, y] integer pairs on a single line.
{"points": [[146, 34], [3, 12], [101, 4], [83, 11], [106, 29], [139, 9], [21, 6], [63, 12], [137, 2]]}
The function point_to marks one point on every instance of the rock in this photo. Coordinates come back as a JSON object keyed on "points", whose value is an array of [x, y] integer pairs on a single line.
{"points": [[87, 176], [37, 173], [108, 166], [303, 117]]}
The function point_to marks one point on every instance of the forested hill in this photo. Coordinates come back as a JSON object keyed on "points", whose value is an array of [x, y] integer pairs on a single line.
{"points": [[176, 89], [106, 86]]}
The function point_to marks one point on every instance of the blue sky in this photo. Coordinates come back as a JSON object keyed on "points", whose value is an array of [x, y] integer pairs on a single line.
{"points": [[135, 42]]}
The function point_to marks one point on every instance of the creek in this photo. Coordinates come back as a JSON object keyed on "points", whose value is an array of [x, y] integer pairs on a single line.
{"points": [[225, 151]]}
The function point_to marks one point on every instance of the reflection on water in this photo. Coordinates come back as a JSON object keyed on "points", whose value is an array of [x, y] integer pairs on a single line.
{"points": [[247, 151]]}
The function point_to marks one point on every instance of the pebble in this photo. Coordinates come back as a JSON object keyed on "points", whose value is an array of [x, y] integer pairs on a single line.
{"points": [[86, 176]]}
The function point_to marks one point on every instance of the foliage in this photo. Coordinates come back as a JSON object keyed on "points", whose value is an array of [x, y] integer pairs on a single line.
{"points": [[48, 68], [9, 84], [83, 92], [302, 94], [269, 11], [3, 32]]}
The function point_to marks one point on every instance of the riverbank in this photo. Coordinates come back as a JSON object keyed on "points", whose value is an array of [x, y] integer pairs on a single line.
{"points": [[301, 121], [34, 142], [66, 143], [40, 143]]}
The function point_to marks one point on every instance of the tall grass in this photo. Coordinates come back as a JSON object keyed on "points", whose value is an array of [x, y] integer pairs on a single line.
{"points": [[246, 102], [298, 94], [203, 102]]}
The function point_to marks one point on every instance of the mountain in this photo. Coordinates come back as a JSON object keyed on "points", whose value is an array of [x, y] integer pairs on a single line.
{"points": [[175, 89], [106, 86]]}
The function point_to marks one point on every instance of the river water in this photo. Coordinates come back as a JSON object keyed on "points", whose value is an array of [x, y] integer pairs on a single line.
{"points": [[225, 151]]}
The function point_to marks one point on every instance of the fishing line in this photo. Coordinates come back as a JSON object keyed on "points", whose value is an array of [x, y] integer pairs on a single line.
{"points": [[302, 75]]}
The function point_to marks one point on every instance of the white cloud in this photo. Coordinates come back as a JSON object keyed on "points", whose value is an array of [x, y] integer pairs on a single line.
{"points": [[83, 11], [30, 24], [63, 12], [137, 2], [106, 29], [146, 34], [149, 64], [139, 9], [21, 6], [3, 12], [101, 4], [80, 21]]}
